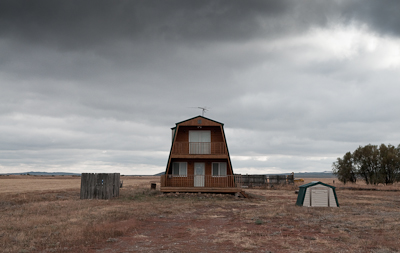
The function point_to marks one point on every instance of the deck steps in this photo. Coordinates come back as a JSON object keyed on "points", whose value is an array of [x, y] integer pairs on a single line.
{"points": [[244, 194]]}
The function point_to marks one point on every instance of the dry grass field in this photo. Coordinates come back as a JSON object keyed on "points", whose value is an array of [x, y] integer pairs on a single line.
{"points": [[45, 214]]}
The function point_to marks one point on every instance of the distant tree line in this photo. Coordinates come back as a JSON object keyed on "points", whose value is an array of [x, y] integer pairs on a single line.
{"points": [[373, 164]]}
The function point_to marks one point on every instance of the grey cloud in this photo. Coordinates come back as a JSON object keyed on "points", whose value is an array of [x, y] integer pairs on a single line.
{"points": [[79, 78], [81, 26], [272, 165], [381, 16], [77, 24]]}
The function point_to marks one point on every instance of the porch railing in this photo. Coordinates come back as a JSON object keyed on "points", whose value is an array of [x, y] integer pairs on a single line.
{"points": [[189, 148], [230, 181]]}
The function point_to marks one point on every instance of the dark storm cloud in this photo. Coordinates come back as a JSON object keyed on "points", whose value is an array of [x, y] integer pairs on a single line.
{"points": [[139, 35], [100, 83], [83, 24], [381, 16]]}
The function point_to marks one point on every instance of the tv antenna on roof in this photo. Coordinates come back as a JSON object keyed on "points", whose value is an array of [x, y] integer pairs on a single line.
{"points": [[204, 109]]}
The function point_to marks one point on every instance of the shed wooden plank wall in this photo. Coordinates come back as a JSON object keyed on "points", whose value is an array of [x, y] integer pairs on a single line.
{"points": [[99, 186]]}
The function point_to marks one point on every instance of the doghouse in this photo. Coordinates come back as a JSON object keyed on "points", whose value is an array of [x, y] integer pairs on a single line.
{"points": [[317, 194]]}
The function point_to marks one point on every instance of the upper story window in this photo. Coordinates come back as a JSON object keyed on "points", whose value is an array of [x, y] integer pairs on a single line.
{"points": [[199, 142]]}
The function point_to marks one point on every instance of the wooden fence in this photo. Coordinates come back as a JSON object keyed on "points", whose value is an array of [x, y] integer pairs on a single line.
{"points": [[100, 186], [265, 180]]}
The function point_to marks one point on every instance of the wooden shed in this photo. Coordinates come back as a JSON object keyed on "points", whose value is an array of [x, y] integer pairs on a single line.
{"points": [[100, 185], [317, 194]]}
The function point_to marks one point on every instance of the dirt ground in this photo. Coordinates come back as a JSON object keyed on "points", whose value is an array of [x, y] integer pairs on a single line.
{"points": [[268, 222], [141, 220]]}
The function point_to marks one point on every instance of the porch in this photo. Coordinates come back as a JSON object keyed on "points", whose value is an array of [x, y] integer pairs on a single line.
{"points": [[199, 148], [205, 183]]}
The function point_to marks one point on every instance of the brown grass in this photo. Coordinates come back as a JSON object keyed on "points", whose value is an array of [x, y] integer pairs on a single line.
{"points": [[39, 218], [35, 218], [14, 184], [359, 184]]}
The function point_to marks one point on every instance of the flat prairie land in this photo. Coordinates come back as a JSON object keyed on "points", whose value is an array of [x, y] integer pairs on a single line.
{"points": [[19, 184], [45, 214], [23, 183]]}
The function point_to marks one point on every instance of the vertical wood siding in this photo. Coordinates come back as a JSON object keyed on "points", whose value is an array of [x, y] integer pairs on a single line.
{"points": [[99, 186]]}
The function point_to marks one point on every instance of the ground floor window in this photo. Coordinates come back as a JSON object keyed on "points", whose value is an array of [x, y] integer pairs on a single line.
{"points": [[219, 169], [179, 169]]}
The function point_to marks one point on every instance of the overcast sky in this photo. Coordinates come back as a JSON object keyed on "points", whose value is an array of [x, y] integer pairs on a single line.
{"points": [[95, 86]]}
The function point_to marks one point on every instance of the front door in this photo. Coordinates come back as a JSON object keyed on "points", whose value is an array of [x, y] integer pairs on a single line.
{"points": [[199, 171]]}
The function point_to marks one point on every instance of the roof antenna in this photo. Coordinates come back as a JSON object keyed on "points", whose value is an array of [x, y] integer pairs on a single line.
{"points": [[204, 109]]}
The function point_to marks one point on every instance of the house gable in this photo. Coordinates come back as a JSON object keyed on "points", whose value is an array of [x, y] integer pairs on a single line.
{"points": [[199, 121]]}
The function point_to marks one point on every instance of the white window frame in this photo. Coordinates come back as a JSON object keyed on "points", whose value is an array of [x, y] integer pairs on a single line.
{"points": [[199, 142], [182, 169], [222, 170]]}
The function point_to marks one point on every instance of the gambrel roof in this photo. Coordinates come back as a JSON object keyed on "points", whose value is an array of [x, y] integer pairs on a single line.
{"points": [[194, 122]]}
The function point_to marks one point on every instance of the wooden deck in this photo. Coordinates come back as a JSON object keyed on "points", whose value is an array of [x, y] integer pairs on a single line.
{"points": [[204, 181], [201, 189], [208, 183]]}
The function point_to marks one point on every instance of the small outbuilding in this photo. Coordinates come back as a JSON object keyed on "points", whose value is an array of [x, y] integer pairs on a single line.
{"points": [[317, 194]]}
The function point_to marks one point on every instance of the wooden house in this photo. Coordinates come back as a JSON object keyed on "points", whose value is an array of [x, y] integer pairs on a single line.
{"points": [[199, 159]]}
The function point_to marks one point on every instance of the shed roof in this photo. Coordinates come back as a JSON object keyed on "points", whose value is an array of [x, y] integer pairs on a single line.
{"points": [[315, 183]]}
